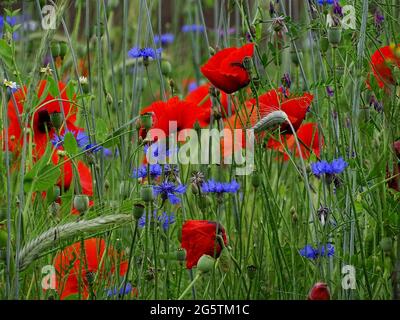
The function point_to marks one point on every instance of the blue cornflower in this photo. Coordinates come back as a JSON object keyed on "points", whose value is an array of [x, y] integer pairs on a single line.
{"points": [[212, 186], [164, 39], [330, 91], [144, 53], [168, 190], [193, 28], [322, 2], [82, 139], [323, 167], [164, 219], [115, 292], [337, 8], [155, 171], [158, 152], [192, 86], [338, 166], [313, 253]]}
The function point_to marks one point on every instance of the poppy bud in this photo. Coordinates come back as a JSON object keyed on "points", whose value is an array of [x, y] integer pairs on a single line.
{"points": [[324, 44], [255, 180], [194, 188], [54, 210], [56, 192], [63, 49], [146, 120], [247, 64], [109, 99], [386, 244], [55, 49], [81, 203], [205, 263], [146, 193], [212, 50], [204, 202], [56, 119], [319, 291], [124, 189], [181, 254], [225, 260], [166, 68], [251, 271], [138, 210], [172, 84], [334, 36], [106, 184], [84, 84], [3, 238]]}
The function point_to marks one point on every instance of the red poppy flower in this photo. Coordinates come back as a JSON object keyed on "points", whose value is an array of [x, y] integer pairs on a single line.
{"points": [[273, 100], [201, 97], [74, 276], [42, 128], [198, 238], [319, 291], [382, 62], [183, 112], [225, 69], [308, 139]]}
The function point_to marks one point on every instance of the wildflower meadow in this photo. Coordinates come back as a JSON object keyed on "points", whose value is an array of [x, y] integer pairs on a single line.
{"points": [[200, 150]]}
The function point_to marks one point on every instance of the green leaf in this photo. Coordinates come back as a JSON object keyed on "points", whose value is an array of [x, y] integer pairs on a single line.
{"points": [[6, 53], [70, 144], [41, 177], [101, 129], [53, 87]]}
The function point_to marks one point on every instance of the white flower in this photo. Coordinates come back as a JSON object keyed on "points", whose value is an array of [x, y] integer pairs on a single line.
{"points": [[46, 70], [10, 84], [83, 80]]}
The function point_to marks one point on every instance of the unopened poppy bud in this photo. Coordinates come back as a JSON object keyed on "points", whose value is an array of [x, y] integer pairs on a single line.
{"points": [[205, 263], [255, 180], [172, 84], [197, 125], [54, 210], [225, 260], [55, 49], [56, 119], [146, 193], [247, 64], [181, 254], [204, 202], [146, 120], [386, 244], [138, 210], [63, 49], [3, 238], [324, 44], [109, 99], [212, 50], [194, 188], [334, 36], [251, 271], [124, 189], [84, 84], [166, 68], [106, 184], [81, 203], [319, 291]]}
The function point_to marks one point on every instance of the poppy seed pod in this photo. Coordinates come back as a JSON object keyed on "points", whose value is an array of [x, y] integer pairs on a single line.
{"points": [[166, 68], [81, 203], [386, 244], [334, 36], [56, 119], [146, 193], [63, 49], [146, 120], [138, 210], [251, 271], [205, 263], [55, 49]]}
